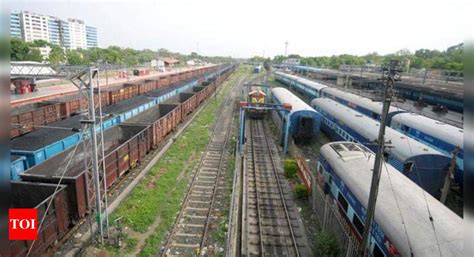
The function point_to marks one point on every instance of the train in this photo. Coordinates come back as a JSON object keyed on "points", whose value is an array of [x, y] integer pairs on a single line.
{"points": [[256, 97], [126, 145], [43, 143], [304, 123], [26, 118], [424, 165], [438, 135], [407, 222], [452, 101]]}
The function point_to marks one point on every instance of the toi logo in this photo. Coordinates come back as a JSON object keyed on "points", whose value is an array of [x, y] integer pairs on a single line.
{"points": [[23, 224]]}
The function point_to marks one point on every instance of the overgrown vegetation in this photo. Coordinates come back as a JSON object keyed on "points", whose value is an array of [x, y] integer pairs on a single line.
{"points": [[290, 168], [160, 193], [301, 192], [326, 245]]}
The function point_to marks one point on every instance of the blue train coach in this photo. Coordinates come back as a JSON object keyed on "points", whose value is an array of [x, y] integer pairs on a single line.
{"points": [[441, 136], [306, 87], [402, 222], [421, 163], [361, 104], [438, 135], [304, 120]]}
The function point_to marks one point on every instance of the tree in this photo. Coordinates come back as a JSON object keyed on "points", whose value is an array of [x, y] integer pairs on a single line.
{"points": [[23, 51], [279, 58], [56, 55], [75, 58]]}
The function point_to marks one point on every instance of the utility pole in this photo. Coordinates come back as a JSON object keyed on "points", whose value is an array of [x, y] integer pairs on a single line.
{"points": [[389, 76], [107, 74], [449, 176], [286, 47]]}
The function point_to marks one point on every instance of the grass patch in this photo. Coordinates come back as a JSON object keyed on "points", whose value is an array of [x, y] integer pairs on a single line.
{"points": [[160, 193]]}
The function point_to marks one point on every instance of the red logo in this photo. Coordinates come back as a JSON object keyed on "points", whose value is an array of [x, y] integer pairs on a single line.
{"points": [[22, 224]]}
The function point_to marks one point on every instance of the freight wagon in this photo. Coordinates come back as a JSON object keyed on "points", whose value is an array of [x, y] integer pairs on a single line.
{"points": [[124, 147], [56, 222], [24, 117], [162, 119], [44, 143]]}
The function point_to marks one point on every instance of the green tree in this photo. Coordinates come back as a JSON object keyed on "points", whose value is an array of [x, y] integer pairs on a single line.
{"points": [[23, 51], [75, 58], [56, 55]]}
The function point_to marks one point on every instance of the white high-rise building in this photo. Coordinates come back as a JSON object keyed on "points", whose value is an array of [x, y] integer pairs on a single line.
{"points": [[77, 33], [71, 34], [35, 26]]}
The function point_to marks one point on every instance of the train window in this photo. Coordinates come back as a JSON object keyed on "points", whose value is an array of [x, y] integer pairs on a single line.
{"points": [[342, 201], [405, 128], [377, 251], [358, 224], [375, 116], [407, 167]]}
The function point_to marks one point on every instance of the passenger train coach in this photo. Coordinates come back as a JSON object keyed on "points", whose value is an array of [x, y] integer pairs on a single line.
{"points": [[438, 135], [304, 121], [402, 224], [424, 165]]}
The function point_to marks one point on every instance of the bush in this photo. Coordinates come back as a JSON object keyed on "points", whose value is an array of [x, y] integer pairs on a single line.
{"points": [[326, 245], [290, 168], [301, 191]]}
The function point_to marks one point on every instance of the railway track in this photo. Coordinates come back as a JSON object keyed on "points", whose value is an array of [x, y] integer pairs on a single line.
{"points": [[189, 236], [268, 218]]}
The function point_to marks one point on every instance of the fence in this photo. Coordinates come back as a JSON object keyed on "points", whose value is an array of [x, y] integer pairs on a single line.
{"points": [[327, 213], [331, 221]]}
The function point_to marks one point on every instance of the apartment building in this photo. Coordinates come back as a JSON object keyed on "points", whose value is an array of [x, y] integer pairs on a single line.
{"points": [[70, 34]]}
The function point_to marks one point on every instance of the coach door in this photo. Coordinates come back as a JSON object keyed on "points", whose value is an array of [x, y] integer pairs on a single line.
{"points": [[306, 127]]}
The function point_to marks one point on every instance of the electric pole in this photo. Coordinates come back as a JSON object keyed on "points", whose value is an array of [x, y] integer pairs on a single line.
{"points": [[389, 76], [286, 47]]}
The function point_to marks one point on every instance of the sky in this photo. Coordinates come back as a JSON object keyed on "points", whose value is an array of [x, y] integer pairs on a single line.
{"points": [[246, 28]]}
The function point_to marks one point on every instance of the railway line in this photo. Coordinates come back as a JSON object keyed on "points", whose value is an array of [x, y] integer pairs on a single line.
{"points": [[191, 231], [269, 224]]}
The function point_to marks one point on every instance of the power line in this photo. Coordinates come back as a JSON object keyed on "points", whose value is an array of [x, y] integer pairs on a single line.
{"points": [[55, 191]]}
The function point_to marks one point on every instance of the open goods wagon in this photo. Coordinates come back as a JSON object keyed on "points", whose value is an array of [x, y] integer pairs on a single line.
{"points": [[56, 223], [124, 147]]}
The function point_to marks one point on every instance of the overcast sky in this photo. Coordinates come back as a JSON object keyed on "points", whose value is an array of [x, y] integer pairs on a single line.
{"points": [[244, 28]]}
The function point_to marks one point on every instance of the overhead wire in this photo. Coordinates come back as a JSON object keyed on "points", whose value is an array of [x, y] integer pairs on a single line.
{"points": [[407, 138], [72, 155]]}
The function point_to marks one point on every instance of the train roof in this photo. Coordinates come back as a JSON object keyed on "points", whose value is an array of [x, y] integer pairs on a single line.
{"points": [[314, 69], [361, 101], [285, 96], [398, 197], [402, 146], [312, 84], [438, 129]]}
